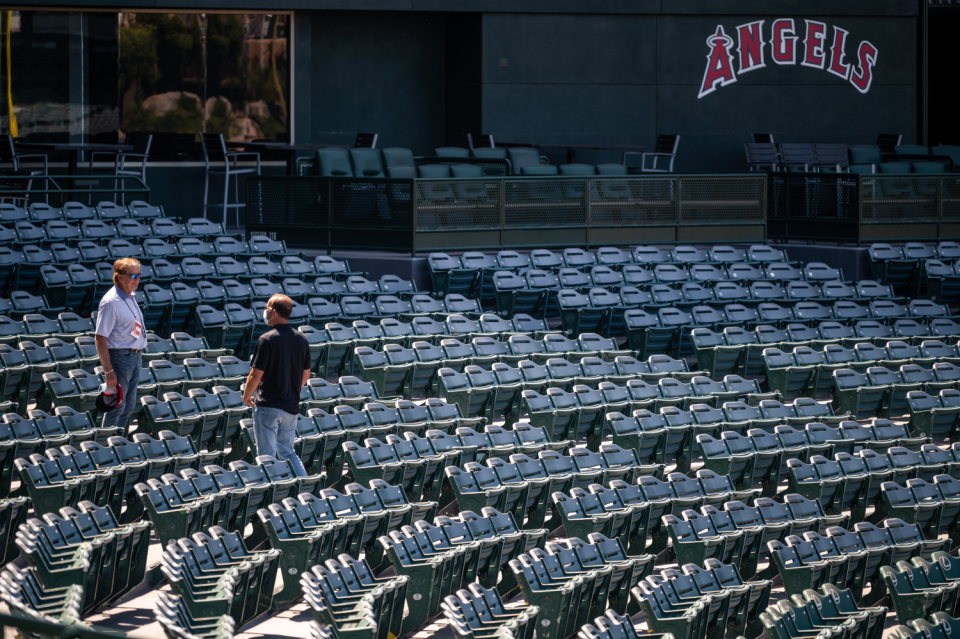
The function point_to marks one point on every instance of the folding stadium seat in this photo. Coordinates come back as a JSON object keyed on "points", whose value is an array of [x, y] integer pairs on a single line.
{"points": [[243, 593], [42, 212], [913, 595], [651, 255], [767, 291], [298, 290], [800, 291], [707, 316], [783, 271], [607, 277], [839, 291], [723, 254], [890, 267], [359, 286], [449, 275], [689, 255], [740, 315], [919, 251], [934, 417], [943, 284], [853, 393], [743, 272], [476, 612], [669, 273], [708, 273], [820, 272], [896, 400], [262, 267], [783, 373], [31, 238], [774, 314], [695, 539], [664, 296], [947, 251], [944, 327], [62, 253], [635, 275]]}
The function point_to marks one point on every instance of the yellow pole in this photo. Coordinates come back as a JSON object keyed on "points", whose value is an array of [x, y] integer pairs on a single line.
{"points": [[14, 131]]}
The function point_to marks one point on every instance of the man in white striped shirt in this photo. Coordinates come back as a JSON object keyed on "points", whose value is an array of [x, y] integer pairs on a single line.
{"points": [[121, 338]]}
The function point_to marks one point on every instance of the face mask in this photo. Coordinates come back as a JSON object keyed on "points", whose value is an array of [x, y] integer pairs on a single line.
{"points": [[266, 320]]}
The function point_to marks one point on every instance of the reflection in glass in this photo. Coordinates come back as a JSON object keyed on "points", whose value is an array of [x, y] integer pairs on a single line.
{"points": [[94, 76], [218, 73], [62, 79]]}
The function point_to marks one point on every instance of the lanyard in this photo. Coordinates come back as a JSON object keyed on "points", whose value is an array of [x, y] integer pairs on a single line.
{"points": [[139, 312]]}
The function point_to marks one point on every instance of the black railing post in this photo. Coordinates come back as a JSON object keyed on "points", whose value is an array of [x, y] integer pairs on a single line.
{"points": [[413, 217], [677, 209], [503, 209], [329, 216], [586, 209], [939, 206], [859, 206]]}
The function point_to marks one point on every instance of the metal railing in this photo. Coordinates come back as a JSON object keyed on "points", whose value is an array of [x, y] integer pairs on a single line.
{"points": [[506, 212], [60, 189], [854, 208]]}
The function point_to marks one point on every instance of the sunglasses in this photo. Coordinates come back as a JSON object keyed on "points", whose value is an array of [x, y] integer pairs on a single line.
{"points": [[134, 276]]}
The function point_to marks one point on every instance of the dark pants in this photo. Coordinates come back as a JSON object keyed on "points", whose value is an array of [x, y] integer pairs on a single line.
{"points": [[126, 364]]}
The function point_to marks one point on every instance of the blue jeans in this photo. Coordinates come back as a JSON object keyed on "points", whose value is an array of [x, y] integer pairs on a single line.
{"points": [[126, 364], [274, 430]]}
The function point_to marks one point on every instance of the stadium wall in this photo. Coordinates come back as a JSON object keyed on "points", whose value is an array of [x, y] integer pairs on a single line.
{"points": [[424, 78], [422, 73]]}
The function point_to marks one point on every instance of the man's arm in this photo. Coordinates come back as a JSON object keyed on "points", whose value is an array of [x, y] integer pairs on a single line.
{"points": [[306, 376], [104, 353], [253, 381]]}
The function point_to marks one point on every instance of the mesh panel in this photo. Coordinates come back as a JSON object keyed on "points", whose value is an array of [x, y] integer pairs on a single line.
{"points": [[313, 211], [721, 200], [458, 204], [544, 202], [371, 203], [897, 197], [951, 196], [286, 202], [633, 201], [823, 196]]}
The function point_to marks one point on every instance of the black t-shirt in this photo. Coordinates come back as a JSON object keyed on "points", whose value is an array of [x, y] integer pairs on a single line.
{"points": [[282, 354]]}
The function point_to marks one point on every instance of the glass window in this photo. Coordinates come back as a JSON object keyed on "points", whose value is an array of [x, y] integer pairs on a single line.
{"points": [[62, 84], [97, 76], [218, 73]]}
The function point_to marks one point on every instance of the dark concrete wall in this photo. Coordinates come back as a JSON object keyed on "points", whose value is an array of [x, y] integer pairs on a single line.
{"points": [[569, 78], [377, 72], [622, 79]]}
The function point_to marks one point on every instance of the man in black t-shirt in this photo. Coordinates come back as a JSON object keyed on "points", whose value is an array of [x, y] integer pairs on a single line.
{"points": [[280, 368]]}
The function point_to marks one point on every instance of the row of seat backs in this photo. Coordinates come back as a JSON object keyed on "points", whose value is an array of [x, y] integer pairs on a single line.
{"points": [[806, 156], [914, 251], [77, 211], [701, 282], [101, 249], [905, 338], [894, 353], [612, 256], [785, 438], [61, 231]]}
